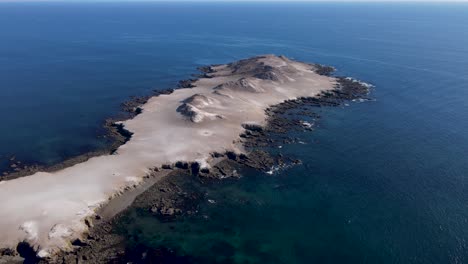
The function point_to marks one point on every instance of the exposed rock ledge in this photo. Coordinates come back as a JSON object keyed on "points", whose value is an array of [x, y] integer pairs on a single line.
{"points": [[50, 210]]}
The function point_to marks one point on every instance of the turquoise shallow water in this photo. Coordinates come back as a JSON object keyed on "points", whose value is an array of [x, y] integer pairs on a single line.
{"points": [[382, 181]]}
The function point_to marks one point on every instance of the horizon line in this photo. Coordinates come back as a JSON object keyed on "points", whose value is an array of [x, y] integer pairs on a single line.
{"points": [[237, 1]]}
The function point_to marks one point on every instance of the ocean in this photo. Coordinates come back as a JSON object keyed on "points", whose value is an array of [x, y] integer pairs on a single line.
{"points": [[383, 181]]}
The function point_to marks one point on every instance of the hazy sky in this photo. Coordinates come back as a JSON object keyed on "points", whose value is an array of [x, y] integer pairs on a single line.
{"points": [[441, 1]]}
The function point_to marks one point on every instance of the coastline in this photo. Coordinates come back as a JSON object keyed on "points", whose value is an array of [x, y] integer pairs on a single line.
{"points": [[252, 138], [114, 132], [178, 193]]}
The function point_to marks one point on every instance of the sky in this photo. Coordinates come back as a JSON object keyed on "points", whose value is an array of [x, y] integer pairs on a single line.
{"points": [[440, 1]]}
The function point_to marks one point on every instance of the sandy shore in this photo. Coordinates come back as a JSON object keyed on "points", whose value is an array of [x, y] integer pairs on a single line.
{"points": [[48, 210]]}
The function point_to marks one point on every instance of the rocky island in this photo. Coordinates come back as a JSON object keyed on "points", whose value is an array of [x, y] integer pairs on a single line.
{"points": [[198, 129]]}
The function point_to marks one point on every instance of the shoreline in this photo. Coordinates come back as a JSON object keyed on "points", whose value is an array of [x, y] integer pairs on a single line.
{"points": [[283, 106], [115, 133], [104, 245]]}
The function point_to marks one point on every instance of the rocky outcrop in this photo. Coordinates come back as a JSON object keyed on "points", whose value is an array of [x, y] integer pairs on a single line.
{"points": [[323, 69], [241, 85], [193, 108]]}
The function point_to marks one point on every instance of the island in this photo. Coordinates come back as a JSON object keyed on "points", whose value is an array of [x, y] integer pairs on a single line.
{"points": [[222, 115]]}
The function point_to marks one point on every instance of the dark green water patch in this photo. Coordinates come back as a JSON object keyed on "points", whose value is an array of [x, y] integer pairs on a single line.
{"points": [[259, 218]]}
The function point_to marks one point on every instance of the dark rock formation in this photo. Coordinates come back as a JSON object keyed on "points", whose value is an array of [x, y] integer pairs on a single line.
{"points": [[323, 69], [186, 83]]}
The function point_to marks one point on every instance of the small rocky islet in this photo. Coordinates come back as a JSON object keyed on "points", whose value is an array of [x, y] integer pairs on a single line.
{"points": [[176, 195]]}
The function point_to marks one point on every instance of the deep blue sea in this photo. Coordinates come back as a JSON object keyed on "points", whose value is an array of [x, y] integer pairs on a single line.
{"points": [[381, 182]]}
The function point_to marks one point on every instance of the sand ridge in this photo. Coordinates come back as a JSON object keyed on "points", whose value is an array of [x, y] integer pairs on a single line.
{"points": [[49, 209]]}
